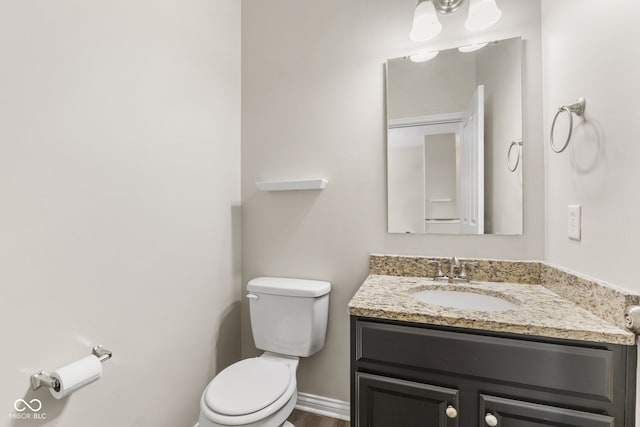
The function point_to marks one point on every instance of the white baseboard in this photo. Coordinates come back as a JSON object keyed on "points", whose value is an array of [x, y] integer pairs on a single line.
{"points": [[326, 406]]}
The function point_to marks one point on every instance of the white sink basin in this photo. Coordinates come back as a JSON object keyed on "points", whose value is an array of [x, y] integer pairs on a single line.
{"points": [[464, 300]]}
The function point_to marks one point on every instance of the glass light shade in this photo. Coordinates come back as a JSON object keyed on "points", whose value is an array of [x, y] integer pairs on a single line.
{"points": [[482, 15], [424, 56], [472, 47], [425, 22]]}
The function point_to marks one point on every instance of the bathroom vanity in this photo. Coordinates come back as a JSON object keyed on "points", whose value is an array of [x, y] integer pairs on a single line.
{"points": [[547, 362], [409, 375]]}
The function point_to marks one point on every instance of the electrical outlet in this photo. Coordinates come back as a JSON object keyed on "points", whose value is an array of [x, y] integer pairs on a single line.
{"points": [[575, 222]]}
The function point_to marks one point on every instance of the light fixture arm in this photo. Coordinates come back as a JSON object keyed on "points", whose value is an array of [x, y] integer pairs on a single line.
{"points": [[482, 14], [447, 6]]}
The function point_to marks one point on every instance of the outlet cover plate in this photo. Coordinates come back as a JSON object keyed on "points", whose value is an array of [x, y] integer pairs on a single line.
{"points": [[574, 222]]}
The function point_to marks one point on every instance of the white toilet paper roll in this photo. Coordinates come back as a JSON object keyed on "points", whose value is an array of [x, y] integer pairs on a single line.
{"points": [[76, 375]]}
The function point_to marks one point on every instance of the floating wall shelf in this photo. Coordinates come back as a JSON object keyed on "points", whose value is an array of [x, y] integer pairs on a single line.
{"points": [[301, 184]]}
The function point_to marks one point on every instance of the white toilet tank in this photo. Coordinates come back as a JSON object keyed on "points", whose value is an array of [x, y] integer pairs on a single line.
{"points": [[289, 316]]}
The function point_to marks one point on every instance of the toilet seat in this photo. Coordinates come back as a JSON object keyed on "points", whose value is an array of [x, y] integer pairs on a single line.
{"points": [[247, 386], [286, 398]]}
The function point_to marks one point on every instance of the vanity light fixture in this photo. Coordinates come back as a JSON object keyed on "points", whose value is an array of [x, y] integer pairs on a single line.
{"points": [[426, 25], [424, 56], [482, 15], [472, 47]]}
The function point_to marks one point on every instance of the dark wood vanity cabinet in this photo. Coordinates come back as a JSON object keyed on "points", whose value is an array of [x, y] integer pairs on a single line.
{"points": [[414, 404], [406, 375]]}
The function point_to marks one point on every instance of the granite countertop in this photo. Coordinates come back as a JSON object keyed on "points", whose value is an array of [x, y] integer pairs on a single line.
{"points": [[541, 312]]}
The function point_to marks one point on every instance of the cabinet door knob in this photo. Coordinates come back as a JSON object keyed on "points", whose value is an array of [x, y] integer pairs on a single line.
{"points": [[491, 420], [451, 412]]}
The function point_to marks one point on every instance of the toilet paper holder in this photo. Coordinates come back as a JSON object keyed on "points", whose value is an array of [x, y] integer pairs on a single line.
{"points": [[42, 379]]}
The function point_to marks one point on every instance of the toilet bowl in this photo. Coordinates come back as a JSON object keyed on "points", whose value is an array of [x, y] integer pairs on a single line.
{"points": [[288, 321], [257, 392]]}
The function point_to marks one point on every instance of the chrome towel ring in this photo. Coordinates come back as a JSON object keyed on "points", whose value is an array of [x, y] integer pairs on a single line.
{"points": [[518, 144], [575, 108]]}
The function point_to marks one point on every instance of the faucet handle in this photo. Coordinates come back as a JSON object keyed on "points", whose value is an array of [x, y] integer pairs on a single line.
{"points": [[463, 270], [438, 274]]}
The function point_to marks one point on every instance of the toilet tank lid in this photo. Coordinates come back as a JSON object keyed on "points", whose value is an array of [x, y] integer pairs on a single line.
{"points": [[289, 287]]}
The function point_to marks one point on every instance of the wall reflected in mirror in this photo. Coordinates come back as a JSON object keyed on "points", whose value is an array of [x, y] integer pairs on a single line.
{"points": [[450, 123]]}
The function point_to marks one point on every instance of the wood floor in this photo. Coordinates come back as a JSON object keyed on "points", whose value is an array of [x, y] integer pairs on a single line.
{"points": [[306, 419]]}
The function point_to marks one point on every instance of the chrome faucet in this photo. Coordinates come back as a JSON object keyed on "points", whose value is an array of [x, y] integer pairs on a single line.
{"points": [[453, 264], [453, 275]]}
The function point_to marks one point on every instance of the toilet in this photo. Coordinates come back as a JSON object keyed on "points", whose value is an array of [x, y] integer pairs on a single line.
{"points": [[289, 321]]}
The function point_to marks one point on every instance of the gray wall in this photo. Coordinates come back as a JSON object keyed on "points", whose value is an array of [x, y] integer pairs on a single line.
{"points": [[313, 106], [119, 187], [406, 186], [599, 170], [442, 85], [499, 70]]}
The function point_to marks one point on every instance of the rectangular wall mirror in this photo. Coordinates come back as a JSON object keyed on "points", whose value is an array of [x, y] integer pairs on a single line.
{"points": [[454, 142]]}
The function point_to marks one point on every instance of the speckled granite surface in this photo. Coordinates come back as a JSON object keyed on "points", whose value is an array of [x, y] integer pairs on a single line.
{"points": [[606, 301], [541, 312], [600, 298], [486, 270]]}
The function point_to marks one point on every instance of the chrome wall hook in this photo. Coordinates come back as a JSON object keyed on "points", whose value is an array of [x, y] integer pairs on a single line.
{"points": [[576, 108]]}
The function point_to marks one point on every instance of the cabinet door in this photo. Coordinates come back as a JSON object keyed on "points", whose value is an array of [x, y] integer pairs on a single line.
{"points": [[390, 402], [515, 413]]}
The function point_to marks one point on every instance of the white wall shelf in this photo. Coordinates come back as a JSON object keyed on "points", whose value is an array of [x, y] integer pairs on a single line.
{"points": [[300, 184]]}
